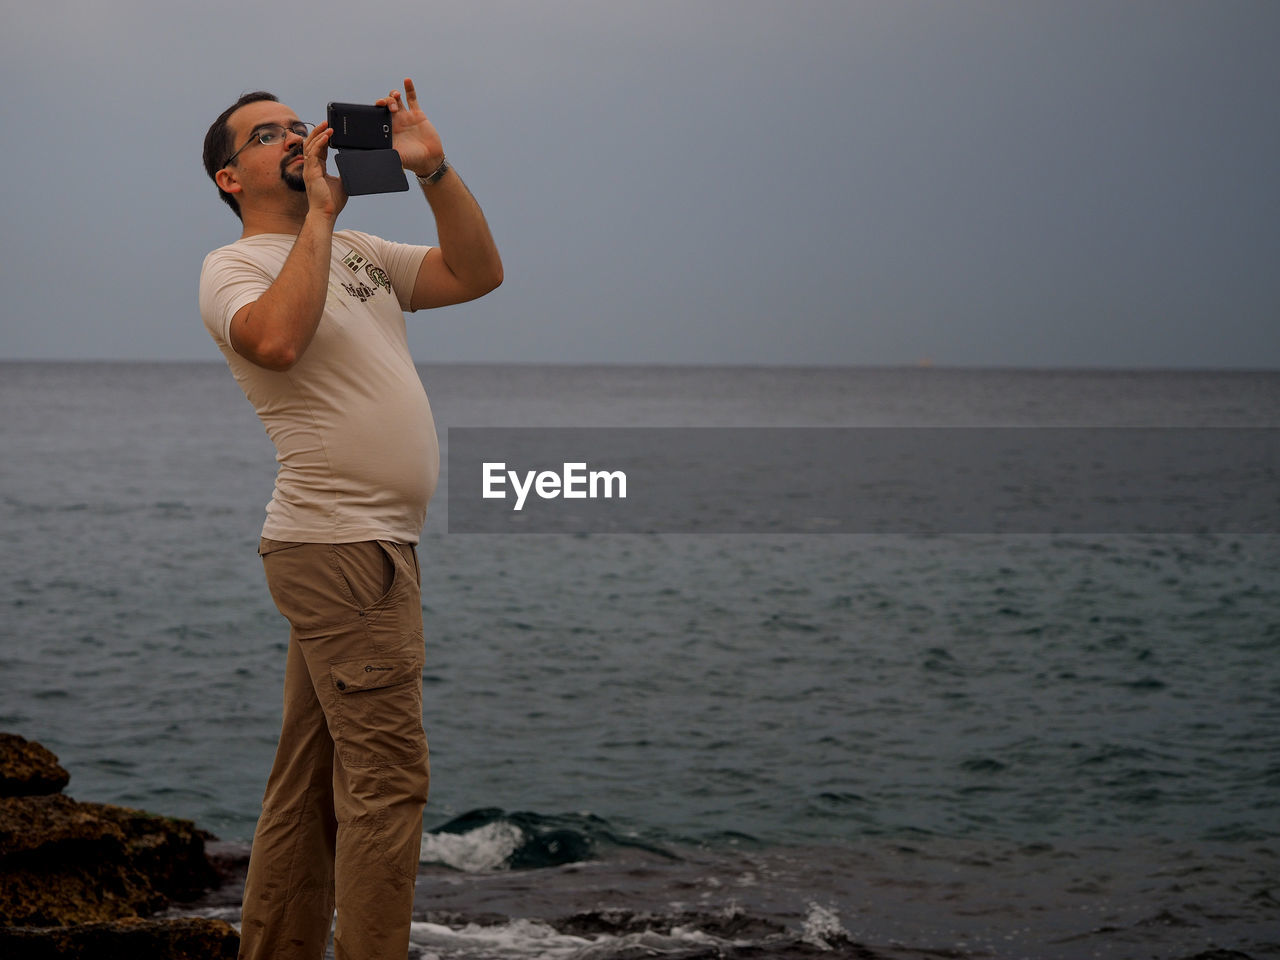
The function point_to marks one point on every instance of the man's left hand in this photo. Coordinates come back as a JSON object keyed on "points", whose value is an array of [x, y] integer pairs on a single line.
{"points": [[412, 134]]}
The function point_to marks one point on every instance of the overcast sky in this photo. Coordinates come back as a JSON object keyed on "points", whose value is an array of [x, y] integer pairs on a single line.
{"points": [[1029, 182]]}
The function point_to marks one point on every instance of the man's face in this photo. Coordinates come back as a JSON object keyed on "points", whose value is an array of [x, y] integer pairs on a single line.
{"points": [[261, 167]]}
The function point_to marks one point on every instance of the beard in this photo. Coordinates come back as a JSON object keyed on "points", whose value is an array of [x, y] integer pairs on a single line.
{"points": [[293, 179]]}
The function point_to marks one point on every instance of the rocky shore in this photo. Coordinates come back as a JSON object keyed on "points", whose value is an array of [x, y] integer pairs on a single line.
{"points": [[87, 879]]}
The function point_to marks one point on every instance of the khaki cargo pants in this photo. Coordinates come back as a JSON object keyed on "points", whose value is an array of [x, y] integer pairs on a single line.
{"points": [[342, 816]]}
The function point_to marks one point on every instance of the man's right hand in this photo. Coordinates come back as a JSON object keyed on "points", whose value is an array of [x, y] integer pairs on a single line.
{"points": [[325, 194]]}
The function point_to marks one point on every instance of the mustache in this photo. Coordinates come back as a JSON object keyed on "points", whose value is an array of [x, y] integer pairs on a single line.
{"points": [[293, 154]]}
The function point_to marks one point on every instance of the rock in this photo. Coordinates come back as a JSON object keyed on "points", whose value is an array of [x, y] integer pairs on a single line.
{"points": [[28, 769], [76, 879], [101, 867], [186, 938], [62, 861]]}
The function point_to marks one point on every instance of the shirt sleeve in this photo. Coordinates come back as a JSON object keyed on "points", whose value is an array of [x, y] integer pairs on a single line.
{"points": [[228, 281], [401, 261]]}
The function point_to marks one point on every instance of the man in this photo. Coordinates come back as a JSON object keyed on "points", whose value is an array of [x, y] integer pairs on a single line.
{"points": [[311, 321]]}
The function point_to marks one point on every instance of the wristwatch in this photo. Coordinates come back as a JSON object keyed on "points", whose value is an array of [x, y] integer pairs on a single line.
{"points": [[435, 175]]}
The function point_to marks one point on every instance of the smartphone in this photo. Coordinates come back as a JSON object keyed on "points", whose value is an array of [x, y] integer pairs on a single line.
{"points": [[359, 126]]}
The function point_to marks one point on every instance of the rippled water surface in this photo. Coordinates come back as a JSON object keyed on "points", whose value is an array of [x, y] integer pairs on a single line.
{"points": [[1050, 746]]}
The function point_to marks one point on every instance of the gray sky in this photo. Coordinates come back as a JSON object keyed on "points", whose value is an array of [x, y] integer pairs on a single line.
{"points": [[1029, 182]]}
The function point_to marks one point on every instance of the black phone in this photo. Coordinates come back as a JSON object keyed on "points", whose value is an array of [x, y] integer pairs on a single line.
{"points": [[366, 161], [359, 126]]}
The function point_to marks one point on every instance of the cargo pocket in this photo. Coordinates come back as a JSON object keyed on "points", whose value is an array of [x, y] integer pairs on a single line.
{"points": [[379, 710]]}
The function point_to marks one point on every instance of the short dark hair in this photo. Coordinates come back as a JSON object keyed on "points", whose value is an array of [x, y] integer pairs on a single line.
{"points": [[218, 145]]}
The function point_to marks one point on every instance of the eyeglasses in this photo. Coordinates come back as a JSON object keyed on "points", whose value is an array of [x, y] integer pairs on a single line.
{"points": [[270, 133]]}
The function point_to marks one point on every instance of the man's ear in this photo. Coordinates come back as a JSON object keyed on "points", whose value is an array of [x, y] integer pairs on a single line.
{"points": [[227, 181]]}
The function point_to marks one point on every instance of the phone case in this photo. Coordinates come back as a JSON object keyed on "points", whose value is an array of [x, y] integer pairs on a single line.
{"points": [[371, 171]]}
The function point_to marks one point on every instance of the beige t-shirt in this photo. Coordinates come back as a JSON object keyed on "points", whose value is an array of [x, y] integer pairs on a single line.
{"points": [[353, 431]]}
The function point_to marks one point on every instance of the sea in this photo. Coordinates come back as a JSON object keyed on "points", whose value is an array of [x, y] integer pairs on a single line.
{"points": [[693, 745]]}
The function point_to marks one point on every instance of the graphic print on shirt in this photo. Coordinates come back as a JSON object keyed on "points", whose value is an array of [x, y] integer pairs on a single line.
{"points": [[378, 276], [359, 291], [354, 261]]}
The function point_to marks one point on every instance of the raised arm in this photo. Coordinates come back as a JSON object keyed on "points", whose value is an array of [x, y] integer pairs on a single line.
{"points": [[465, 264], [276, 329]]}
